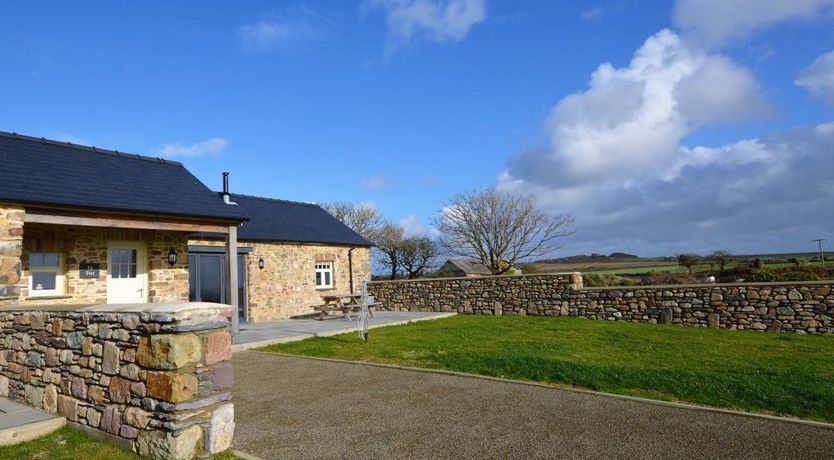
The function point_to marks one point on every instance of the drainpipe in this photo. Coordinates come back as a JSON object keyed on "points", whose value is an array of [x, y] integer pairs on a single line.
{"points": [[350, 268]]}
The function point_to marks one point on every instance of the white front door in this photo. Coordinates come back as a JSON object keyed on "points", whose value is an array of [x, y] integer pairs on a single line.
{"points": [[126, 273]]}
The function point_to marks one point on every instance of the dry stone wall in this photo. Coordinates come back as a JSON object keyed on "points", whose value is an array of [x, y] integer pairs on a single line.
{"points": [[801, 307], [157, 380]]}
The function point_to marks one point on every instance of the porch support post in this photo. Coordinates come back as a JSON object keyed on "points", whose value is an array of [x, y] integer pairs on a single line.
{"points": [[231, 278]]}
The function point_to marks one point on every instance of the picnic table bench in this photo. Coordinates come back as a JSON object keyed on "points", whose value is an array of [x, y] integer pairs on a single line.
{"points": [[345, 303]]}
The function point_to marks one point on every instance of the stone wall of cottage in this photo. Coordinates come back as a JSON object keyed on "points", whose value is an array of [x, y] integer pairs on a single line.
{"points": [[801, 307], [11, 248], [165, 283], [156, 383], [286, 285]]}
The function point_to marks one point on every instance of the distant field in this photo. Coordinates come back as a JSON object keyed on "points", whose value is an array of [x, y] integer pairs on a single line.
{"points": [[645, 266]]}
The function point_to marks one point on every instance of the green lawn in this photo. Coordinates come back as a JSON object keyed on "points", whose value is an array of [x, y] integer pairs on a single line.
{"points": [[783, 374], [65, 444]]}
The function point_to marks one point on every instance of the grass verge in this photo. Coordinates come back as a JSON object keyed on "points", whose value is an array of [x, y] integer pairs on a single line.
{"points": [[781, 374], [65, 444]]}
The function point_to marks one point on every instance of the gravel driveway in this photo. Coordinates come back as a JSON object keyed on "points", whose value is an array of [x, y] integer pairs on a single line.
{"points": [[302, 408]]}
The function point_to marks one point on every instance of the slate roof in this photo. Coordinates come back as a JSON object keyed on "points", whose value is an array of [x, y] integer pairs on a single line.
{"points": [[292, 221], [38, 171], [472, 267]]}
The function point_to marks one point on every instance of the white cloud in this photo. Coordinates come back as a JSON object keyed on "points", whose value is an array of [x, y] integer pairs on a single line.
{"points": [[594, 12], [414, 227], [437, 20], [212, 146], [282, 31], [618, 160], [715, 22], [818, 78], [375, 183], [632, 119]]}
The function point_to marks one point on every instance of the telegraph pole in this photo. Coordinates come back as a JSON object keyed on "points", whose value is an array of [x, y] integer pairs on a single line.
{"points": [[819, 241]]}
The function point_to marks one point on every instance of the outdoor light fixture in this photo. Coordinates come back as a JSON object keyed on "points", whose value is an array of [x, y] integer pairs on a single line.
{"points": [[172, 257], [261, 263]]}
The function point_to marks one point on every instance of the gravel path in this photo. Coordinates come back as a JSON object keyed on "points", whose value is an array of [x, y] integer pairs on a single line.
{"points": [[302, 408]]}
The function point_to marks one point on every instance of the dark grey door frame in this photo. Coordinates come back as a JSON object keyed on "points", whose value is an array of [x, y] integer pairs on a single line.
{"points": [[196, 253]]}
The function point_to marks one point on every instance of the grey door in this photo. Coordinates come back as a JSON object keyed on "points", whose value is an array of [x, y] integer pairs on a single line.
{"points": [[207, 279]]}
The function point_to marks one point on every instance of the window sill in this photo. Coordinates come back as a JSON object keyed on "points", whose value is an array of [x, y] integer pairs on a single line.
{"points": [[48, 297], [325, 288]]}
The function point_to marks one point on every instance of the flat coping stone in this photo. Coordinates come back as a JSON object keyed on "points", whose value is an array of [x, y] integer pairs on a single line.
{"points": [[21, 423], [173, 307]]}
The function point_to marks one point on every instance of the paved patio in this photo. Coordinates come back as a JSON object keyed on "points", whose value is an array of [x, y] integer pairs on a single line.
{"points": [[287, 407], [253, 335], [20, 423]]}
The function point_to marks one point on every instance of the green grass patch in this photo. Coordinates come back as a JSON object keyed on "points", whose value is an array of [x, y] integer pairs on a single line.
{"points": [[65, 444], [762, 372]]}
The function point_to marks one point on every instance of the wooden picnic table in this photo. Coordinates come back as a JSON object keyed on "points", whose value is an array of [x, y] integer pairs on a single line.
{"points": [[346, 303]]}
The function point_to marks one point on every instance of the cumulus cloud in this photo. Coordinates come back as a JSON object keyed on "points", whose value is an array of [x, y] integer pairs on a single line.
{"points": [[436, 20], [818, 78], [772, 190], [632, 119], [715, 22], [283, 30], [617, 158], [375, 183], [412, 226], [211, 146]]}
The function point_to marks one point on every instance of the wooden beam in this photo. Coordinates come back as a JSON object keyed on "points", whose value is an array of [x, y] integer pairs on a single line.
{"points": [[48, 217], [231, 277]]}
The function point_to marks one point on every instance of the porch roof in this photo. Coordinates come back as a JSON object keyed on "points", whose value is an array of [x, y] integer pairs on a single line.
{"points": [[49, 173]]}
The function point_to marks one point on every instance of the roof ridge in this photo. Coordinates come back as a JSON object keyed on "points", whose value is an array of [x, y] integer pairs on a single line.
{"points": [[279, 200], [93, 149]]}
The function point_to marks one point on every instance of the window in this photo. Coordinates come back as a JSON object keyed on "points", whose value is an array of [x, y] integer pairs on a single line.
{"points": [[123, 263], [46, 274], [324, 275]]}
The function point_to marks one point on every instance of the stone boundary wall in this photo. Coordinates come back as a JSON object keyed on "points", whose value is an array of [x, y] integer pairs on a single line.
{"points": [[155, 378], [801, 307]]}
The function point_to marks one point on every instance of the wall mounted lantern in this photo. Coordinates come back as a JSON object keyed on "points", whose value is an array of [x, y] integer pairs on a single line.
{"points": [[172, 257], [261, 263]]}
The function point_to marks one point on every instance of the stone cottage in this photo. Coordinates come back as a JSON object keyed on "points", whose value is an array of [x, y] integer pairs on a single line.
{"points": [[289, 254], [83, 225]]}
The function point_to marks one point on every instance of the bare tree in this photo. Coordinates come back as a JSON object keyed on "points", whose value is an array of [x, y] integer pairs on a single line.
{"points": [[417, 254], [364, 220], [722, 258], [388, 242], [500, 229], [688, 261]]}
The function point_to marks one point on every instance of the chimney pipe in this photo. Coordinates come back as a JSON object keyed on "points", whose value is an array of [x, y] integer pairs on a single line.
{"points": [[225, 194]]}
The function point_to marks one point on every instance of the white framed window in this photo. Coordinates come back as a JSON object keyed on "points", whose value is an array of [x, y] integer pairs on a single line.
{"points": [[324, 275], [46, 274]]}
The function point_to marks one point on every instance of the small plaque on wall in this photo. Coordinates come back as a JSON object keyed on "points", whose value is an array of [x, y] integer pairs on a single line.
{"points": [[89, 269]]}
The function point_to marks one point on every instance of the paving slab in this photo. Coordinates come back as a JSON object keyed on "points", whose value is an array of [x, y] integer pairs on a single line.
{"points": [[254, 335], [21, 423], [288, 407]]}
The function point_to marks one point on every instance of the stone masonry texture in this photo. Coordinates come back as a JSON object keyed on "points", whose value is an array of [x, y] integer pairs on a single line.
{"points": [[11, 248], [144, 377], [166, 283], [286, 287], [800, 307]]}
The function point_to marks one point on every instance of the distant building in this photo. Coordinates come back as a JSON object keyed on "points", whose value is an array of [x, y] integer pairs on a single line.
{"points": [[459, 268]]}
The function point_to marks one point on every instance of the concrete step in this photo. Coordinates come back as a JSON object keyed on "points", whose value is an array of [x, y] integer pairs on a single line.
{"points": [[21, 423]]}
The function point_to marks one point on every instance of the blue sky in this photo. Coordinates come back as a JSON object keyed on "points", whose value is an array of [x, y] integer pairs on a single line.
{"points": [[718, 139]]}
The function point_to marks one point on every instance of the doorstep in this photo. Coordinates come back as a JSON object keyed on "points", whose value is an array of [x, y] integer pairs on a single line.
{"points": [[21, 423]]}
